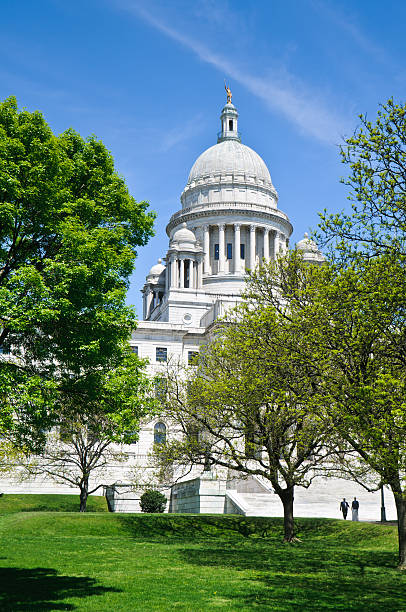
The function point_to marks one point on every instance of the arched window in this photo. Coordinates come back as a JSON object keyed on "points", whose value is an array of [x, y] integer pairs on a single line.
{"points": [[159, 433]]}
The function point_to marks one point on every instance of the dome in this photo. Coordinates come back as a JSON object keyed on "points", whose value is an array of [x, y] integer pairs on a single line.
{"points": [[157, 269], [230, 157], [309, 249], [184, 235]]}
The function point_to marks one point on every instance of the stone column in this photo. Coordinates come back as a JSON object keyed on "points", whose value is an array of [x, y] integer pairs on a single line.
{"points": [[266, 244], [191, 274], [276, 245], [282, 239], [150, 296], [221, 247], [206, 248], [199, 282], [182, 274], [174, 271], [167, 272], [252, 247], [237, 248]]}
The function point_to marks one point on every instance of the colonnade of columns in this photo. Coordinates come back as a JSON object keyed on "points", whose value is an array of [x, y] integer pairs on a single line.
{"points": [[278, 242], [183, 272], [152, 298]]}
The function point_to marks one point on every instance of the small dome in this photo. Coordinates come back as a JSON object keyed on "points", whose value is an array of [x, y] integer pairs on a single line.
{"points": [[309, 249], [157, 269], [183, 235], [230, 157]]}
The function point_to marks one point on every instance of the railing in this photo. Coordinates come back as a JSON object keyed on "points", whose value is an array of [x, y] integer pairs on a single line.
{"points": [[228, 136], [228, 205]]}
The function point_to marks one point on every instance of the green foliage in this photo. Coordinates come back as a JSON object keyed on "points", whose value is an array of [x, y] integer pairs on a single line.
{"points": [[152, 501], [376, 157], [250, 405], [348, 322], [158, 562], [99, 409], [68, 238], [362, 308]]}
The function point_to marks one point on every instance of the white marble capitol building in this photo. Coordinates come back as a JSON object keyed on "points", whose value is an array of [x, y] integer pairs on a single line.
{"points": [[229, 221]]}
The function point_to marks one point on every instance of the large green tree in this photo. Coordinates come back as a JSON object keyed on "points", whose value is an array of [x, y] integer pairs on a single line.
{"points": [[69, 230], [366, 304], [358, 317], [248, 404], [347, 335], [97, 415]]}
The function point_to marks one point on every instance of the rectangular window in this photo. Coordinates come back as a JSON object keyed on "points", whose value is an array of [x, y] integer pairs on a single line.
{"points": [[192, 357], [229, 250], [134, 349], [216, 251], [242, 251], [161, 353]]}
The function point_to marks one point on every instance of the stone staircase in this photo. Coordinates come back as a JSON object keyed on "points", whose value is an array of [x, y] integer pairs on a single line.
{"points": [[251, 497], [261, 504]]}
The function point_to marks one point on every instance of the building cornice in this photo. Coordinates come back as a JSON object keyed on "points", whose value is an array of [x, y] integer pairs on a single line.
{"points": [[219, 210]]}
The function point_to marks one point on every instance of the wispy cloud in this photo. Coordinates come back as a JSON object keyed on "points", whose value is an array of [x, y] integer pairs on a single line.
{"points": [[348, 25], [285, 94], [180, 134]]}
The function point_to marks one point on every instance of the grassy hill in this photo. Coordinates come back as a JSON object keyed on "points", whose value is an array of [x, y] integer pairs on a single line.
{"points": [[49, 503], [101, 562]]}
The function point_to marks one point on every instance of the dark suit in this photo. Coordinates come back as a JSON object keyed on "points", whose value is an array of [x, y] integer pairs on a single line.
{"points": [[344, 508]]}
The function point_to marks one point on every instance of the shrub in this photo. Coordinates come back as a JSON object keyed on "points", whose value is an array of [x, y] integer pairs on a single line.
{"points": [[152, 501]]}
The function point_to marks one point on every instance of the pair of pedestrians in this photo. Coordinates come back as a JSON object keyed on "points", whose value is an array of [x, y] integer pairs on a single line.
{"points": [[344, 505]]}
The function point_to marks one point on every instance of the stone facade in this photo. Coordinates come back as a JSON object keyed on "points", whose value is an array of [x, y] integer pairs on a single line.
{"points": [[228, 222]]}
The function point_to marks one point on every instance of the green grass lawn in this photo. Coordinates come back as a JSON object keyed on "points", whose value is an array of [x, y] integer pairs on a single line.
{"points": [[49, 503], [109, 562]]}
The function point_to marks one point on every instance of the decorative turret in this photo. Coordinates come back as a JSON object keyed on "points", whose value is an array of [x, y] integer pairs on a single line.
{"points": [[183, 239], [185, 257], [154, 288], [229, 121], [310, 251]]}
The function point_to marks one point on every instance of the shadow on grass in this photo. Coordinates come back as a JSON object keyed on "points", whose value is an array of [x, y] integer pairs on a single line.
{"points": [[338, 566], [40, 589], [196, 528], [307, 576]]}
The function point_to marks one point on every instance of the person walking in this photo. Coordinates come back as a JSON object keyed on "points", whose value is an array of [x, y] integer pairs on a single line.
{"points": [[344, 508], [355, 508]]}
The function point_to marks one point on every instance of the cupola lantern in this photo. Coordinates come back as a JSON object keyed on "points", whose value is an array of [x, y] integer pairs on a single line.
{"points": [[229, 121]]}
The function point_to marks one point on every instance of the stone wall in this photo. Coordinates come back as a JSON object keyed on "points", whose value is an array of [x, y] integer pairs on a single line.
{"points": [[203, 495]]}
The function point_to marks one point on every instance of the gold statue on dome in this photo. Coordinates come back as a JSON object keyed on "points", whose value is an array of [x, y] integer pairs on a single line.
{"points": [[229, 94]]}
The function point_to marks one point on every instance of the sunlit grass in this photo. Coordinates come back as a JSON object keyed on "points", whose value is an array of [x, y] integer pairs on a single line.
{"points": [[103, 562]]}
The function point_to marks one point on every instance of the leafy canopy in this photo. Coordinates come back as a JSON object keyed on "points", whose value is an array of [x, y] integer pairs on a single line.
{"points": [[69, 230]]}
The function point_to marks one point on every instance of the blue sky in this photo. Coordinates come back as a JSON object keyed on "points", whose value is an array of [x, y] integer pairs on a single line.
{"points": [[147, 77]]}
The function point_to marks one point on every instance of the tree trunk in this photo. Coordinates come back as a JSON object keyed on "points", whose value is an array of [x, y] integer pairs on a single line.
{"points": [[400, 500], [287, 497], [84, 487]]}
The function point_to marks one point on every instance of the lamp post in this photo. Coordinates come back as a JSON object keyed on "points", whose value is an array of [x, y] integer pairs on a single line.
{"points": [[383, 511]]}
